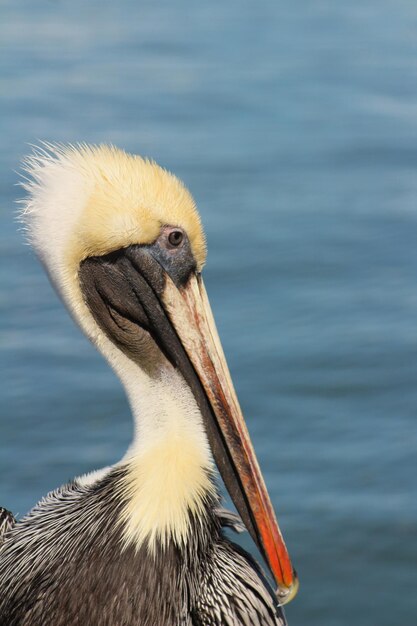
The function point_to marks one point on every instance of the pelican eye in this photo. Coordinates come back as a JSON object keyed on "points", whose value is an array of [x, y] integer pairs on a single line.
{"points": [[176, 238]]}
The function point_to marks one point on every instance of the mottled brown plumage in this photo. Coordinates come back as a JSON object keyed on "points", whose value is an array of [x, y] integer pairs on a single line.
{"points": [[63, 564]]}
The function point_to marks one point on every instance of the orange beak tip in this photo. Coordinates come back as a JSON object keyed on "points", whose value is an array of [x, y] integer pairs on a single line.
{"points": [[286, 594]]}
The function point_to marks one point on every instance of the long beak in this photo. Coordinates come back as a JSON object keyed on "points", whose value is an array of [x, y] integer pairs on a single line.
{"points": [[134, 285], [189, 311]]}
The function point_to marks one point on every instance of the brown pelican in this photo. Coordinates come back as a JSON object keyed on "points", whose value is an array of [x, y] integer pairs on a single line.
{"points": [[142, 542]]}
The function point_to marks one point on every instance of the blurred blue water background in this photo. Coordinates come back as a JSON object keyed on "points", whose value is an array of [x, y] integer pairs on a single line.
{"points": [[295, 127]]}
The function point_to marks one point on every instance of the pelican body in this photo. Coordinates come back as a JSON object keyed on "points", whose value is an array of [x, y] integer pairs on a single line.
{"points": [[142, 542]]}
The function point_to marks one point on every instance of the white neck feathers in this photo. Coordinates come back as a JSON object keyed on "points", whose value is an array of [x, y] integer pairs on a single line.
{"points": [[169, 463]]}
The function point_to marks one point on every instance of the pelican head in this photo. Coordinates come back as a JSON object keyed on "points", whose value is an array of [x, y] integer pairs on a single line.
{"points": [[123, 243]]}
